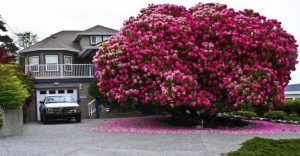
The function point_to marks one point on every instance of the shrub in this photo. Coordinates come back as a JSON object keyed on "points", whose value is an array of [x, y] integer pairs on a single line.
{"points": [[275, 115], [292, 106], [209, 57], [247, 114], [94, 92], [12, 90], [1, 118], [293, 116], [296, 106]]}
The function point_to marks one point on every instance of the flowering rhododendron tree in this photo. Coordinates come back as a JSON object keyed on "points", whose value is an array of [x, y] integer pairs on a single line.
{"points": [[209, 57]]}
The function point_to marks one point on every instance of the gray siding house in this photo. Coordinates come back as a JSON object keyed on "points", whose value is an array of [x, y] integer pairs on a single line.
{"points": [[62, 64], [292, 91]]}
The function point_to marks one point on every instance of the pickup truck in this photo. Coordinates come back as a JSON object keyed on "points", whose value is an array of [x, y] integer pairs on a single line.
{"points": [[59, 107]]}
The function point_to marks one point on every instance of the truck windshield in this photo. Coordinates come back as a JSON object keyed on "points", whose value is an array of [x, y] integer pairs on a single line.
{"points": [[59, 99]]}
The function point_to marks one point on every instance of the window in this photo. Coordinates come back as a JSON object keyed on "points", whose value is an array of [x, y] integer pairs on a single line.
{"points": [[61, 91], [43, 92], [68, 63], [70, 91], [96, 39], [105, 38], [34, 63], [51, 62], [52, 92]]}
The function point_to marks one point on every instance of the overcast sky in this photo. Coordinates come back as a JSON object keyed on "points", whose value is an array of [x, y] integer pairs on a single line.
{"points": [[46, 17]]}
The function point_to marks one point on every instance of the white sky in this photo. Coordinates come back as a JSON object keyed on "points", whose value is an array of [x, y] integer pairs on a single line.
{"points": [[46, 17]]}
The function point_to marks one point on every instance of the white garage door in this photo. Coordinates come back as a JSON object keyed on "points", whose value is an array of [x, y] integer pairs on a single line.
{"points": [[41, 93]]}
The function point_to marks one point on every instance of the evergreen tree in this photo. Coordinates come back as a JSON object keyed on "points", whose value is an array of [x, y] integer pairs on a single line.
{"points": [[6, 43]]}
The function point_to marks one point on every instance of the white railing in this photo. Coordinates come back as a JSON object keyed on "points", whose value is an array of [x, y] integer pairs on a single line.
{"points": [[54, 71], [91, 108], [104, 109]]}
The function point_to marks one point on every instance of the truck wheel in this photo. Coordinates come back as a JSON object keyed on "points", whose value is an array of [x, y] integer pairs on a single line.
{"points": [[41, 115], [78, 118], [45, 119]]}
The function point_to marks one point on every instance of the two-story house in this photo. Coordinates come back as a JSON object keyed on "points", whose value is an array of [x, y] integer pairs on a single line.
{"points": [[62, 64]]}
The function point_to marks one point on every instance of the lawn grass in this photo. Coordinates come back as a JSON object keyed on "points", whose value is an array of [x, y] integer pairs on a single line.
{"points": [[262, 147]]}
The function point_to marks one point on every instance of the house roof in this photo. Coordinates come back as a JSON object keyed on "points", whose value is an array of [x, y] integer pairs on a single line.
{"points": [[292, 88], [58, 41], [96, 30], [66, 40], [100, 29]]}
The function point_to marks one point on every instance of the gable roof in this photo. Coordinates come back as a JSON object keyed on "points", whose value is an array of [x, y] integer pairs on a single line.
{"points": [[292, 88], [64, 40], [58, 41], [100, 29], [96, 30]]}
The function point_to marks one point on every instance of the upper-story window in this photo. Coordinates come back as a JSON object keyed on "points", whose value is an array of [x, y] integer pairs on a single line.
{"points": [[34, 63], [98, 39], [68, 63], [105, 38], [51, 62]]}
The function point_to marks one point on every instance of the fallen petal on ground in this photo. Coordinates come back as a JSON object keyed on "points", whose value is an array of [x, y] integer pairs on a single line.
{"points": [[156, 124]]}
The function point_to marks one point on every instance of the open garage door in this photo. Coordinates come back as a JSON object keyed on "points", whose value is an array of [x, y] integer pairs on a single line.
{"points": [[41, 93]]}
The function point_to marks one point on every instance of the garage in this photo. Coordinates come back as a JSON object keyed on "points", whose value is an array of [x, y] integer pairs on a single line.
{"points": [[41, 93]]}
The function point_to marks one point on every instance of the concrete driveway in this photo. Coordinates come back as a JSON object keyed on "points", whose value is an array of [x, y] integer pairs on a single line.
{"points": [[68, 138]]}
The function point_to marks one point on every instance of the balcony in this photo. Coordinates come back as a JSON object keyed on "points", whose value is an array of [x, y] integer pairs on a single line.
{"points": [[60, 71]]}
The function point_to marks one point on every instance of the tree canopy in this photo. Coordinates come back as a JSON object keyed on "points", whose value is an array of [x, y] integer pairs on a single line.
{"points": [[6, 43], [209, 57], [26, 39]]}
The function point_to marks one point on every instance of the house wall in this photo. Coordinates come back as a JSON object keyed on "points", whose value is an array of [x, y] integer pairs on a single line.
{"points": [[85, 41], [83, 96], [42, 56]]}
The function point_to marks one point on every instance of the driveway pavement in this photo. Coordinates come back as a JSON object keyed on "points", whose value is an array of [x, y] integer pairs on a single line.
{"points": [[68, 138]]}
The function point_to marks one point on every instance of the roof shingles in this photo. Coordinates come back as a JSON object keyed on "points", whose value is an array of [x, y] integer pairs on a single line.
{"points": [[64, 40]]}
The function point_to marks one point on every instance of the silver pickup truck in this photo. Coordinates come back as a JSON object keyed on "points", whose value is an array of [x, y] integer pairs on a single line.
{"points": [[59, 107]]}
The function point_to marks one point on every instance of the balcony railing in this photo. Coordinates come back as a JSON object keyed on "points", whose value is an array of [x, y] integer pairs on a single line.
{"points": [[56, 71]]}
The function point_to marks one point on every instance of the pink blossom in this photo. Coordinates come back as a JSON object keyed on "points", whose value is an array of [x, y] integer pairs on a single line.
{"points": [[196, 57]]}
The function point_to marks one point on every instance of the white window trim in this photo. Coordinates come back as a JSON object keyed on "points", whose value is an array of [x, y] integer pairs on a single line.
{"points": [[94, 43], [32, 65], [57, 69], [68, 64], [108, 37]]}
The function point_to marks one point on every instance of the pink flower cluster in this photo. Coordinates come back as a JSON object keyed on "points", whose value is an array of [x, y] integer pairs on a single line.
{"points": [[157, 124], [202, 57]]}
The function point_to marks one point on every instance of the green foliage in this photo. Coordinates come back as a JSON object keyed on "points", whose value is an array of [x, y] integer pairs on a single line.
{"points": [[113, 105], [1, 118], [12, 90], [275, 115], [247, 114], [26, 39], [262, 147], [295, 107], [293, 116], [6, 43], [292, 106], [94, 92]]}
